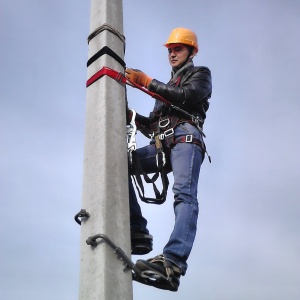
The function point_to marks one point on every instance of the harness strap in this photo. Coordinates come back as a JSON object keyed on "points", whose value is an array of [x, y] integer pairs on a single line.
{"points": [[168, 124], [160, 198], [169, 133], [190, 139], [120, 77]]}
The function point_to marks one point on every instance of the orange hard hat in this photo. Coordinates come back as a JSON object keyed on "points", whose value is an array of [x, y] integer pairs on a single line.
{"points": [[183, 36]]}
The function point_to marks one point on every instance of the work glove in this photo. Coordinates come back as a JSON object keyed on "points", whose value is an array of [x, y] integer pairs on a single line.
{"points": [[138, 77]]}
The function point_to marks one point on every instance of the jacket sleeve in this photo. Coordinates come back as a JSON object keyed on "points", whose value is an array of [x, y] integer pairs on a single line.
{"points": [[143, 124], [194, 88]]}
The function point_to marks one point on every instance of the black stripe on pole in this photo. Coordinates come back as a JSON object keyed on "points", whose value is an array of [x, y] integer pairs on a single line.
{"points": [[108, 51]]}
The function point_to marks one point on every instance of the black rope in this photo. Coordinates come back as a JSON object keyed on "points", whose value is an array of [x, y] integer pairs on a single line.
{"points": [[111, 29], [108, 51]]}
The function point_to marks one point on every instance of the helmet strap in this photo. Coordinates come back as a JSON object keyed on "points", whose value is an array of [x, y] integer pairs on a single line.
{"points": [[191, 49]]}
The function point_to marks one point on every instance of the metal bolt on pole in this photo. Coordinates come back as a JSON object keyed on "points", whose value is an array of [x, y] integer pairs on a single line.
{"points": [[105, 175]]}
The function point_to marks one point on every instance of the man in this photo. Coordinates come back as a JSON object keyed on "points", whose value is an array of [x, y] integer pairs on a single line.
{"points": [[179, 128]]}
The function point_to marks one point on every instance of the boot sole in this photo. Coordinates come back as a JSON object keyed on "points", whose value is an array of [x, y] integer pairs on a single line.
{"points": [[152, 275]]}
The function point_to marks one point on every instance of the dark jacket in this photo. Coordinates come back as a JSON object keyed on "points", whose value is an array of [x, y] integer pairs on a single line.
{"points": [[189, 89]]}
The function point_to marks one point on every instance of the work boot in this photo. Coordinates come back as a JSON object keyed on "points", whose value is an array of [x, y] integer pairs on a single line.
{"points": [[141, 242], [159, 272]]}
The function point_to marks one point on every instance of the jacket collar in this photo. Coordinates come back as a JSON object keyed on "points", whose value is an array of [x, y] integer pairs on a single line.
{"points": [[177, 73]]}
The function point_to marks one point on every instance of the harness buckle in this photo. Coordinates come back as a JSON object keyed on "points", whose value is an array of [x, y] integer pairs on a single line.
{"points": [[164, 123], [169, 132], [120, 77], [161, 136], [189, 138]]}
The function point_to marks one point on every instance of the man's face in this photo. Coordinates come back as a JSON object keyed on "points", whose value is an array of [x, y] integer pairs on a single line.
{"points": [[178, 53]]}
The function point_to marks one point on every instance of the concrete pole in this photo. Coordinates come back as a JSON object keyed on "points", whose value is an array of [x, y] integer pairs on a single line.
{"points": [[105, 175]]}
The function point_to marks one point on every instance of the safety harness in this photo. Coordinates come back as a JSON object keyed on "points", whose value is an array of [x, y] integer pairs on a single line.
{"points": [[162, 130], [137, 170]]}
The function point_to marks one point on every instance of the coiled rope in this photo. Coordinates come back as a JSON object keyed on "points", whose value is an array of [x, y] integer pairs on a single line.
{"points": [[108, 27]]}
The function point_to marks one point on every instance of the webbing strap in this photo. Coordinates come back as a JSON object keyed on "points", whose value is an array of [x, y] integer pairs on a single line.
{"points": [[160, 197], [120, 77], [190, 139], [109, 72]]}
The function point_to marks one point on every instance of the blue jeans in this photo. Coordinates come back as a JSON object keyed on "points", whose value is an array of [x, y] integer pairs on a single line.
{"points": [[185, 160]]}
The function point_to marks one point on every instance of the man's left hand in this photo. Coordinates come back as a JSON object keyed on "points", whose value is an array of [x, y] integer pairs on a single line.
{"points": [[138, 77]]}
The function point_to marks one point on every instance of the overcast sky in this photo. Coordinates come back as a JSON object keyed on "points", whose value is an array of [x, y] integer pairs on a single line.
{"points": [[247, 246]]}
